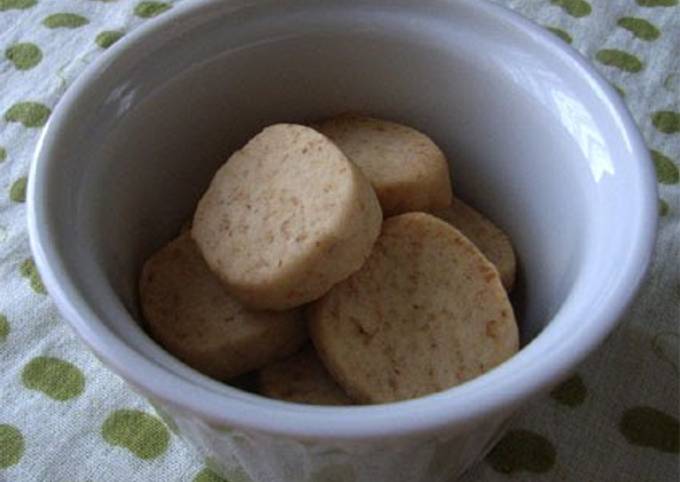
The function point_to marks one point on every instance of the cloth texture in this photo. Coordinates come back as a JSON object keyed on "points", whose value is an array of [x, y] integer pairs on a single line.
{"points": [[66, 417]]}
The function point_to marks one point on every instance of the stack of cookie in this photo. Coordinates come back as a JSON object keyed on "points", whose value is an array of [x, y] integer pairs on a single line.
{"points": [[346, 233]]}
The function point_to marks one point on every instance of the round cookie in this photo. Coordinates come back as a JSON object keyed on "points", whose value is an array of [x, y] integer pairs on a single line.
{"points": [[490, 240], [407, 170], [189, 313], [425, 313], [286, 218], [301, 378]]}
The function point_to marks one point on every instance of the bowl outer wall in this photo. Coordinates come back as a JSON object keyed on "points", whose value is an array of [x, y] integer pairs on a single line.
{"points": [[539, 366]]}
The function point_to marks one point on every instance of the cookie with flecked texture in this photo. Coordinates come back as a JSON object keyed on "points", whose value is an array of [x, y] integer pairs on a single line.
{"points": [[286, 218], [301, 378], [188, 311], [425, 313], [490, 240], [407, 170]]}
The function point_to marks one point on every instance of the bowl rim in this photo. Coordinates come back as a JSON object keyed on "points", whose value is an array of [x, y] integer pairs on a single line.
{"points": [[501, 389]]}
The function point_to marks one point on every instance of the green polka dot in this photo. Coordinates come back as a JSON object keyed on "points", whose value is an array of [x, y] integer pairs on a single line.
{"points": [[169, 421], [672, 82], [619, 90], [207, 475], [667, 121], [4, 327], [619, 59], [211, 463], [30, 114], [30, 272], [150, 9], [17, 192], [3, 154], [522, 451], [649, 427], [236, 474], [657, 3], [666, 170], [571, 393], [232, 473], [56, 378], [223, 429], [663, 207], [561, 34], [575, 8], [665, 343], [16, 4], [142, 434], [639, 27], [108, 38], [334, 473], [24, 56], [65, 20], [11, 445]]}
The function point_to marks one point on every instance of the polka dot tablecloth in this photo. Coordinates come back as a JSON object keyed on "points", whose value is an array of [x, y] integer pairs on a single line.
{"points": [[64, 417]]}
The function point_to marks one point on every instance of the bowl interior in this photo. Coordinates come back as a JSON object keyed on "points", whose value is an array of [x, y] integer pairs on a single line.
{"points": [[532, 140]]}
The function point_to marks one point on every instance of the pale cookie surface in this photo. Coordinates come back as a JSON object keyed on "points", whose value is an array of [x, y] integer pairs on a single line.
{"points": [[407, 170], [188, 311], [286, 218], [426, 312], [490, 240], [301, 378]]}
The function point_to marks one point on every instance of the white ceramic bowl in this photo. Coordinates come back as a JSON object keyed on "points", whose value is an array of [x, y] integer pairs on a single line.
{"points": [[535, 138]]}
